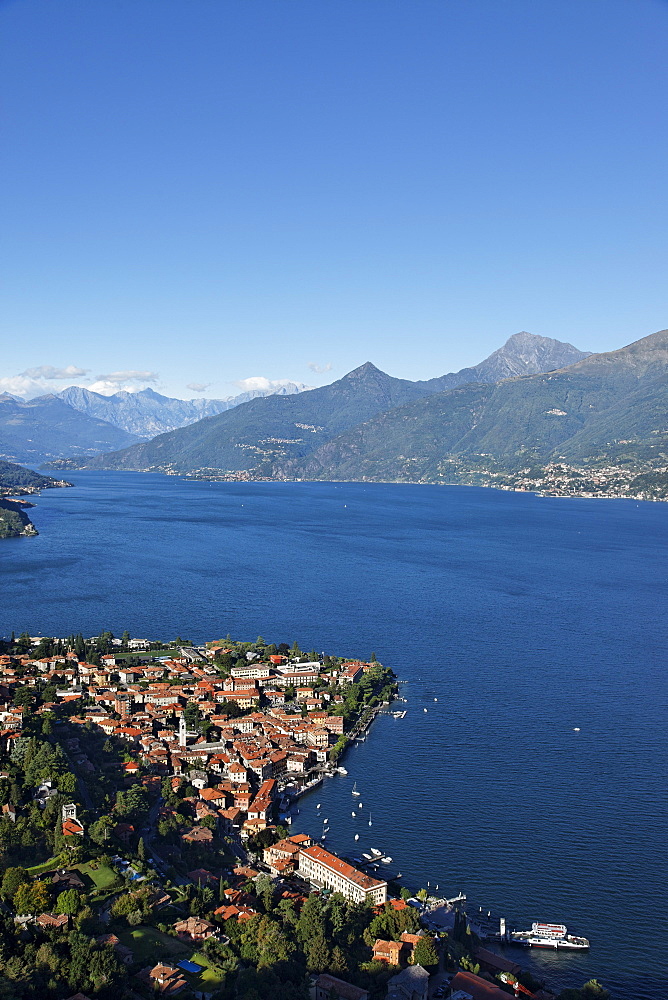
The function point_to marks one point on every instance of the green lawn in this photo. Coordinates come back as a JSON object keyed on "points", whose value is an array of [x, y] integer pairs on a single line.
{"points": [[102, 875], [151, 946], [209, 977]]}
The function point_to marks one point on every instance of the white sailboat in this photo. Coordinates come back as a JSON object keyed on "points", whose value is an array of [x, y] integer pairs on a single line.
{"points": [[353, 814], [354, 791], [369, 819]]}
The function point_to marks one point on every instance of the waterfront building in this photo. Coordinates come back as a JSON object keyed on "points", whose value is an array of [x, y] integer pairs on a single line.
{"points": [[251, 671], [327, 870], [467, 984]]}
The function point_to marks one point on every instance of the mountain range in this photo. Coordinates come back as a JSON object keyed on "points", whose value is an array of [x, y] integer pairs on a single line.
{"points": [[608, 408], [78, 422], [147, 413], [41, 429], [278, 437]]}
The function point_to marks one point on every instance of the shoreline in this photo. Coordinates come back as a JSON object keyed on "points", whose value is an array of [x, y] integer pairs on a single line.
{"points": [[243, 478]]}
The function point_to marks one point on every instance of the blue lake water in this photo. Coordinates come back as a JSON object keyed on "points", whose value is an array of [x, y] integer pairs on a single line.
{"points": [[525, 617]]}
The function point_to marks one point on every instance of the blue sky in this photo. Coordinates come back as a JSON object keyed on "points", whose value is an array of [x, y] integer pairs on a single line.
{"points": [[204, 191]]}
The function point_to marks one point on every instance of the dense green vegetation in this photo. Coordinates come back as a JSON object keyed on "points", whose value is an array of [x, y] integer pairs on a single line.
{"points": [[14, 521], [15, 480], [14, 476]]}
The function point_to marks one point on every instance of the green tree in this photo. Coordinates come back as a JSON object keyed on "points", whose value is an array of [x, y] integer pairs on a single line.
{"points": [[317, 954], [132, 804], [31, 898], [68, 902], [100, 831], [104, 968], [191, 714], [339, 964], [311, 920], [68, 785], [11, 880], [264, 889], [274, 945]]}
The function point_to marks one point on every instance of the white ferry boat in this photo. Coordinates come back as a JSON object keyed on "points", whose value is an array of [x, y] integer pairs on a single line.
{"points": [[553, 936]]}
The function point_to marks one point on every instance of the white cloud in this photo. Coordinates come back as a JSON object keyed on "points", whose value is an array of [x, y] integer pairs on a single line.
{"points": [[254, 382], [129, 380], [42, 379], [49, 372], [128, 376], [261, 383], [199, 386], [21, 385], [320, 369]]}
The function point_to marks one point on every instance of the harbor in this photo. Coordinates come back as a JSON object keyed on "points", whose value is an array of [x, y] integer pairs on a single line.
{"points": [[349, 815]]}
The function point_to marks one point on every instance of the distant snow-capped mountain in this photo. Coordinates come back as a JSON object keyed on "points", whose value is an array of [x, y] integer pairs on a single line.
{"points": [[146, 414]]}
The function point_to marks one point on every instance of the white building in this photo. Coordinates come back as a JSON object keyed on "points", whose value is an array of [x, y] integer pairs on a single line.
{"points": [[325, 869]]}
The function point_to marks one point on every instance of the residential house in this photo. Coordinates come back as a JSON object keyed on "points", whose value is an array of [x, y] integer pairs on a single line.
{"points": [[327, 987], [194, 929], [53, 921], [411, 984], [387, 951], [163, 979]]}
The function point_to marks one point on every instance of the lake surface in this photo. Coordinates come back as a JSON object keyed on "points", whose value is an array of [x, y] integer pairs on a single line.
{"points": [[525, 617]]}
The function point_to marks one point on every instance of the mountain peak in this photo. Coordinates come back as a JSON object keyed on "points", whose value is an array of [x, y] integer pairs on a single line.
{"points": [[368, 368], [528, 354]]}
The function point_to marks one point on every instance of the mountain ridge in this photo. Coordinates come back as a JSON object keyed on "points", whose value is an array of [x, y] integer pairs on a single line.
{"points": [[147, 413], [607, 407], [265, 434], [37, 430]]}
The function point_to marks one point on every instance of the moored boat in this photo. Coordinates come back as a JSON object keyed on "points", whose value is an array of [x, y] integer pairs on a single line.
{"points": [[554, 936]]}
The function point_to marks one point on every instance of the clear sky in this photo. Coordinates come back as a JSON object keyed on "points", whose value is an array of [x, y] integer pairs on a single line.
{"points": [[204, 191]]}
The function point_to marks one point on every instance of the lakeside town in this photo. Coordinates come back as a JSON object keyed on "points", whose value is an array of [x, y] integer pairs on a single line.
{"points": [[556, 479], [142, 787]]}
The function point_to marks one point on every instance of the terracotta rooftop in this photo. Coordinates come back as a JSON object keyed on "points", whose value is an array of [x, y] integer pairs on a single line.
{"points": [[335, 864]]}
